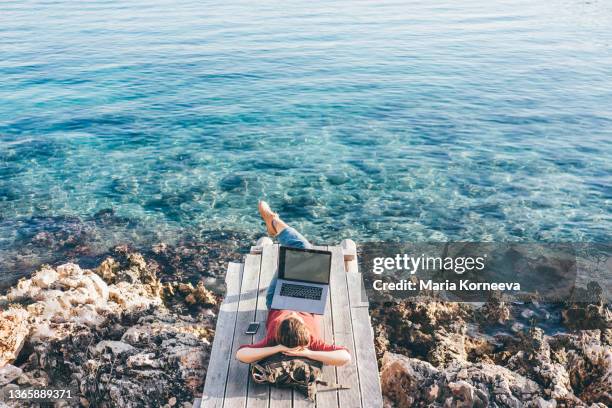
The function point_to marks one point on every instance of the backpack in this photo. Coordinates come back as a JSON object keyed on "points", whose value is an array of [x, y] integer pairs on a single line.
{"points": [[302, 374]]}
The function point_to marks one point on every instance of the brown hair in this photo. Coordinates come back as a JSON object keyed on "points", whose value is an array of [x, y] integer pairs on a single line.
{"points": [[292, 332]]}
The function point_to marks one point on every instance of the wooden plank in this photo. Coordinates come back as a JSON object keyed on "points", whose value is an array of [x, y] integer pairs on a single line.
{"points": [[369, 380], [367, 367], [218, 365], [327, 399], [343, 330], [299, 400], [258, 395], [238, 374], [279, 398], [356, 290]]}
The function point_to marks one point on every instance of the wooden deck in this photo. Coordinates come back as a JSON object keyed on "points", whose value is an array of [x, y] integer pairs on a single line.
{"points": [[346, 323]]}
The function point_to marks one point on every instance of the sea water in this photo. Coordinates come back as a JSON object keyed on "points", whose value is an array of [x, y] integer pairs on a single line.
{"points": [[146, 121]]}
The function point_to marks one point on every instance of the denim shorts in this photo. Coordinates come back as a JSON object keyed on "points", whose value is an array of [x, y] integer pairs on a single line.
{"points": [[288, 237]]}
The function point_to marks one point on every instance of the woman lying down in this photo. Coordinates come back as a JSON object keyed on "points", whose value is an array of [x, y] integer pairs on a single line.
{"points": [[289, 332]]}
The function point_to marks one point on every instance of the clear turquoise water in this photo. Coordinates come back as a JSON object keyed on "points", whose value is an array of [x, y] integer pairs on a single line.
{"points": [[410, 120]]}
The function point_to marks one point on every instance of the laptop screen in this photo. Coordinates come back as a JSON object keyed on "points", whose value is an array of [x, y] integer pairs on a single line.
{"points": [[305, 265]]}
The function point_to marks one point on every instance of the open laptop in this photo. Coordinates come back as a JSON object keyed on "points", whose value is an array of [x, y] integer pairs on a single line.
{"points": [[303, 280]]}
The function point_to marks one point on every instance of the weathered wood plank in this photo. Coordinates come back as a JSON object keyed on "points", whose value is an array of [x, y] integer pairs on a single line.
{"points": [[365, 355], [327, 399], [279, 398], [300, 401], [343, 330], [238, 374], [356, 290], [218, 365], [258, 394]]}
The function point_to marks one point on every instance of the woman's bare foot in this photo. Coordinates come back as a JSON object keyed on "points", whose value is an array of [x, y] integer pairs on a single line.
{"points": [[268, 216]]}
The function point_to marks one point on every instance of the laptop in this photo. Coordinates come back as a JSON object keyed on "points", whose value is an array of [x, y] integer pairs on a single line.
{"points": [[303, 280]]}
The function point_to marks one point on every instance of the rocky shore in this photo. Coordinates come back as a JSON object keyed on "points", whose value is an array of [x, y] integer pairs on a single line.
{"points": [[437, 354], [118, 333], [136, 331]]}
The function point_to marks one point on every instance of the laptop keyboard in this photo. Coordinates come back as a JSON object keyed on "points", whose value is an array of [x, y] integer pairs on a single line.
{"points": [[303, 292]]}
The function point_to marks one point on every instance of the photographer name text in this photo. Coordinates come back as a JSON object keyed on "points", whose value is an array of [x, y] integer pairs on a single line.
{"points": [[462, 285]]}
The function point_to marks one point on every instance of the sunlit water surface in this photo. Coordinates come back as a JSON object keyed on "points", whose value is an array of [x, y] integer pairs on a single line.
{"points": [[134, 121]]}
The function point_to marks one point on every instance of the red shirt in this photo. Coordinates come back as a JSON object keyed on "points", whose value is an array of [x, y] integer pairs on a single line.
{"points": [[312, 321]]}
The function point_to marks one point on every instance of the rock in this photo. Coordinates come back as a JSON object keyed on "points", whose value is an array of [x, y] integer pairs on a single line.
{"points": [[23, 291], [116, 347], [402, 379], [69, 270], [198, 295], [185, 288], [408, 382], [204, 296], [495, 310], [465, 393], [8, 374], [143, 360], [14, 329], [108, 270], [160, 248], [517, 327], [430, 329], [100, 286], [528, 314], [45, 277], [4, 390], [573, 368], [448, 363], [587, 316], [542, 403], [107, 332], [447, 347]]}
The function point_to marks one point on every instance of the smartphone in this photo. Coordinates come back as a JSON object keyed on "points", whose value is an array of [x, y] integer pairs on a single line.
{"points": [[253, 327]]}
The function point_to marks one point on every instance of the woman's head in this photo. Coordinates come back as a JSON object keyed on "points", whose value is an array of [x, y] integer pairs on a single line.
{"points": [[292, 332]]}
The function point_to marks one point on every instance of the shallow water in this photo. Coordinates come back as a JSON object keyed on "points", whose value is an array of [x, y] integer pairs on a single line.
{"points": [[416, 121]]}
